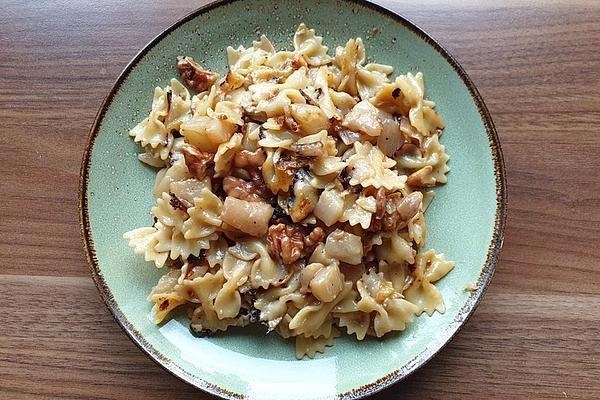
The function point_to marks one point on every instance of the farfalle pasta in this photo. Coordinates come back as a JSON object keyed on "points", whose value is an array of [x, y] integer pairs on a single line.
{"points": [[291, 192]]}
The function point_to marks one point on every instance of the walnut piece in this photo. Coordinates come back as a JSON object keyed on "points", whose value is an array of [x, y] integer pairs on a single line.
{"points": [[313, 239], [290, 243], [286, 242], [246, 158], [393, 209], [194, 76], [254, 190], [288, 123], [197, 161], [380, 202]]}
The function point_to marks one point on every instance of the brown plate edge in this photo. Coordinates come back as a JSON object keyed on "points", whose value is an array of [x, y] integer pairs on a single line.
{"points": [[365, 390]]}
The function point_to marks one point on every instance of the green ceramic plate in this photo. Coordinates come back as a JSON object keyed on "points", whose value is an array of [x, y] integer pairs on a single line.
{"points": [[465, 221]]}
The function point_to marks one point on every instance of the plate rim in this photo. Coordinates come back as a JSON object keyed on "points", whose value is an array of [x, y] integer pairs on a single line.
{"points": [[368, 389]]}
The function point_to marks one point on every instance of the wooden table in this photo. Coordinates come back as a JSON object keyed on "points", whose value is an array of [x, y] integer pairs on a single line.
{"points": [[535, 335]]}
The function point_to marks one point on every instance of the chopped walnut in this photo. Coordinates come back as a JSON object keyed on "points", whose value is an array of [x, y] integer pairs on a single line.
{"points": [[254, 190], [246, 158], [285, 242], [289, 243], [194, 76], [335, 126], [380, 201], [313, 239], [421, 178], [288, 123], [393, 209], [379, 216], [197, 161]]}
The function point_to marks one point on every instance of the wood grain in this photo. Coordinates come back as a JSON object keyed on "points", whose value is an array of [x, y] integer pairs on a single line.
{"points": [[536, 333]]}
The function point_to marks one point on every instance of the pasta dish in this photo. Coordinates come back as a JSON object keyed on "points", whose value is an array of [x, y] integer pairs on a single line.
{"points": [[291, 192]]}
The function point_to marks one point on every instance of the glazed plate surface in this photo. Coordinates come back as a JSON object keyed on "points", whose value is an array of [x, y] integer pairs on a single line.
{"points": [[465, 221]]}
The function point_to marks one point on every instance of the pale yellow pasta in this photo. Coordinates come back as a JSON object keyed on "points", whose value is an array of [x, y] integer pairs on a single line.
{"points": [[358, 210], [433, 155], [152, 131], [265, 271], [143, 241], [225, 153], [364, 117], [396, 249], [310, 118], [275, 178], [204, 219], [291, 192], [165, 302], [379, 296], [203, 102], [325, 100], [327, 166], [309, 346], [166, 214], [310, 46], [165, 177], [370, 167], [422, 117], [349, 59], [371, 78], [205, 317], [236, 271]]}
